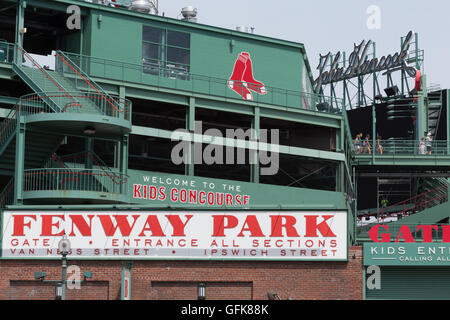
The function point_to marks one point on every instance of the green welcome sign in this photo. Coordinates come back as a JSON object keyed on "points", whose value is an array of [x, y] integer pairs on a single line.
{"points": [[157, 189], [407, 254]]}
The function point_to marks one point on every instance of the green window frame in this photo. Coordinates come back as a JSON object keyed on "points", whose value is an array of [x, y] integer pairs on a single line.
{"points": [[166, 52]]}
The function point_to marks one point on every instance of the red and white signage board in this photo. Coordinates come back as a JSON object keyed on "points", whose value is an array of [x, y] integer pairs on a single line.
{"points": [[222, 235]]}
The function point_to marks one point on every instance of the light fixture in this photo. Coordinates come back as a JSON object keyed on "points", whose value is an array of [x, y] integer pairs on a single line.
{"points": [[273, 296], [87, 275], [391, 91], [201, 291], [58, 291], [89, 130], [323, 106], [39, 275], [64, 246], [378, 97]]}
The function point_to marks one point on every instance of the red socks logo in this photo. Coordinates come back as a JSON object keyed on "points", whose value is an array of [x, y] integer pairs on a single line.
{"points": [[242, 81]]}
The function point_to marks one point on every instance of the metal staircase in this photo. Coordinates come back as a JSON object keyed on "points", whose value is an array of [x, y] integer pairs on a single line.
{"points": [[400, 213], [58, 94]]}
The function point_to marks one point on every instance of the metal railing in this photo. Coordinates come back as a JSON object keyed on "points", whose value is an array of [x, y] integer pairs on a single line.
{"points": [[111, 105], [6, 52], [41, 78], [189, 82], [74, 179], [405, 208], [9, 124], [404, 147], [38, 103], [7, 195], [82, 158]]}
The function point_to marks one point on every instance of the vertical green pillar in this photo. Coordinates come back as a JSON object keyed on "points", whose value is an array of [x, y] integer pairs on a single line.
{"points": [[118, 153], [422, 117], [374, 113], [20, 161], [190, 126], [20, 23], [124, 155], [340, 177], [122, 95], [89, 146], [256, 126]]}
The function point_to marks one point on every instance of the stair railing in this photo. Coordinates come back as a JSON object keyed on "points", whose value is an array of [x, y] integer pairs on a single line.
{"points": [[111, 106], [419, 203], [7, 195]]}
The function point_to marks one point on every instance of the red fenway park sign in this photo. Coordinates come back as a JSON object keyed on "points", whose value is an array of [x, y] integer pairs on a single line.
{"points": [[268, 235]]}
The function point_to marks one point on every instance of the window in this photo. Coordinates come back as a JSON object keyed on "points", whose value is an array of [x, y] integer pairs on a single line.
{"points": [[166, 53]]}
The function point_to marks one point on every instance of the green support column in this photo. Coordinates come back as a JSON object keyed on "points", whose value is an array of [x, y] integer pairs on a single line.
{"points": [[20, 23], [124, 155], [340, 175], [20, 162], [122, 95], [190, 125], [422, 117], [254, 168], [89, 146], [118, 157], [374, 114]]}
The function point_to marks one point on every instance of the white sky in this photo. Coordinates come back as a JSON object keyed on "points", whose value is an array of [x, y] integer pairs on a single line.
{"points": [[333, 25]]}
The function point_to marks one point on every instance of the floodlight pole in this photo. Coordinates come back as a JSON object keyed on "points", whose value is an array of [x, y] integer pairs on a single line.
{"points": [[64, 268]]}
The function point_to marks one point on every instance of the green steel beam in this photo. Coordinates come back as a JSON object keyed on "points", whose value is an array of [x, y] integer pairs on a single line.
{"points": [[7, 100], [190, 125], [20, 161], [6, 71], [254, 171], [304, 152], [20, 16], [403, 160], [148, 92]]}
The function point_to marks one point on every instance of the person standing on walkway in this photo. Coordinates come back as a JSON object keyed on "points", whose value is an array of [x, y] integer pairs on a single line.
{"points": [[428, 141], [422, 146], [366, 144]]}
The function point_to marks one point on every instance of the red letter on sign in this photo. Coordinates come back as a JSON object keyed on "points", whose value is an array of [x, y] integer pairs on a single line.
{"points": [[137, 191], [154, 226], [277, 226], [323, 227], [427, 232], [47, 226], [405, 233], [19, 224], [445, 233], [122, 223], [253, 227], [373, 234], [178, 226], [84, 228], [219, 225]]}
